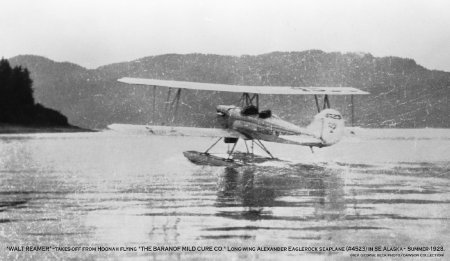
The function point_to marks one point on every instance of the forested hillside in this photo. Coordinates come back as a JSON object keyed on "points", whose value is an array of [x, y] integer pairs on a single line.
{"points": [[403, 93], [17, 105]]}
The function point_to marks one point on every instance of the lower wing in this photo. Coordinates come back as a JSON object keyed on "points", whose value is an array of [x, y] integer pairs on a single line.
{"points": [[302, 140], [174, 131]]}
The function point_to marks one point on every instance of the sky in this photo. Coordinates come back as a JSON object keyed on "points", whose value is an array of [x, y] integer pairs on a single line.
{"points": [[92, 33]]}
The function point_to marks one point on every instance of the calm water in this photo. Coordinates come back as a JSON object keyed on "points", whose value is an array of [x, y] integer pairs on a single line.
{"points": [[389, 188]]}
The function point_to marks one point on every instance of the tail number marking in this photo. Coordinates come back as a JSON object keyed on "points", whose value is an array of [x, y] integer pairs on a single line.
{"points": [[332, 126], [333, 116]]}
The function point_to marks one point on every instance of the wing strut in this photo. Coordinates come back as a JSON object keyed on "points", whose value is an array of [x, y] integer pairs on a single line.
{"points": [[175, 104], [171, 107], [154, 103], [247, 99], [317, 103], [166, 104], [326, 102], [353, 109]]}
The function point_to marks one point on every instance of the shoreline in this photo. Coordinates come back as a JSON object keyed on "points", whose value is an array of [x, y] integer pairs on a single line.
{"points": [[18, 129]]}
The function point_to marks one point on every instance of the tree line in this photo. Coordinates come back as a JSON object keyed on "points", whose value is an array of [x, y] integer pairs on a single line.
{"points": [[17, 104]]}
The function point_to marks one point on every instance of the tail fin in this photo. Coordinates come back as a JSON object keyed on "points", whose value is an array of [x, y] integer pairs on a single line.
{"points": [[328, 125]]}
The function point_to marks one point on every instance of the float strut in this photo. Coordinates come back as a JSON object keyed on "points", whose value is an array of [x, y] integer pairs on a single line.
{"points": [[245, 142], [206, 152], [261, 145], [232, 149]]}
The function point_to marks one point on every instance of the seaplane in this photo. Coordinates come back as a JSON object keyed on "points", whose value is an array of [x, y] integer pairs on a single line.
{"points": [[247, 122]]}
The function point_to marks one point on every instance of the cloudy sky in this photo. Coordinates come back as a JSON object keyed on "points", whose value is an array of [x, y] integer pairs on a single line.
{"points": [[97, 32]]}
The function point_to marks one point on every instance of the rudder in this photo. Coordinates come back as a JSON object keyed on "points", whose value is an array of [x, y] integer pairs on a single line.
{"points": [[328, 125]]}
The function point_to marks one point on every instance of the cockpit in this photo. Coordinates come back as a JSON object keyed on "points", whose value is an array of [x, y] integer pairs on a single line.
{"points": [[252, 110], [249, 110], [265, 114]]}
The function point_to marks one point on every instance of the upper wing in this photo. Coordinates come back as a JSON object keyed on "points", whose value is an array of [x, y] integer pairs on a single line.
{"points": [[245, 89], [174, 131]]}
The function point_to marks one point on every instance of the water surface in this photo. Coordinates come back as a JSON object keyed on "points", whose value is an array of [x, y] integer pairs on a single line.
{"points": [[382, 187]]}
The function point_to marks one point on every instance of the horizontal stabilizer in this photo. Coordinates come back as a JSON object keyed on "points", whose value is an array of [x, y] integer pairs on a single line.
{"points": [[302, 140], [174, 131], [245, 89]]}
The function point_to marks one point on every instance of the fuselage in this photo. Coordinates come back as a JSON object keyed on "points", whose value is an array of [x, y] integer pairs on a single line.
{"points": [[257, 125]]}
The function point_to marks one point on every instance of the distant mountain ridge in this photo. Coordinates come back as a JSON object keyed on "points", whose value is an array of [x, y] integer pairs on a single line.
{"points": [[403, 93]]}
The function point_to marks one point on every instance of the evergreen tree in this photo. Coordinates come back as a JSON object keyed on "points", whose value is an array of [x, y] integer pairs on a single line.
{"points": [[21, 91], [16, 94], [5, 73], [16, 99]]}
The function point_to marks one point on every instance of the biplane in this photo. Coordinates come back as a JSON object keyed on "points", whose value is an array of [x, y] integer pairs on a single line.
{"points": [[248, 123]]}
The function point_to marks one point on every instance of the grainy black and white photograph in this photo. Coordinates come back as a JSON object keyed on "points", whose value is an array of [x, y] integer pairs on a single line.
{"points": [[224, 130]]}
